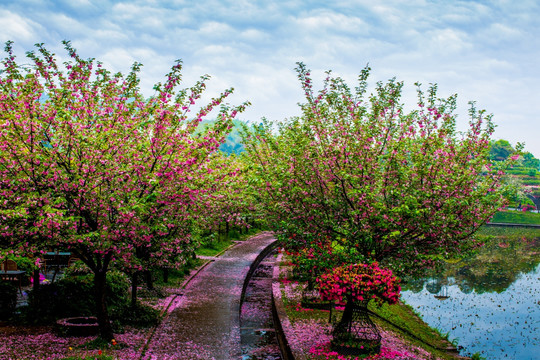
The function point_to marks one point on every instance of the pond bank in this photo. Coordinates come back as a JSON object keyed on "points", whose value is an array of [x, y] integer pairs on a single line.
{"points": [[489, 300], [307, 331]]}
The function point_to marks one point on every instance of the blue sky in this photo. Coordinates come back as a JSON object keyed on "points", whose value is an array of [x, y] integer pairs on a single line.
{"points": [[486, 51]]}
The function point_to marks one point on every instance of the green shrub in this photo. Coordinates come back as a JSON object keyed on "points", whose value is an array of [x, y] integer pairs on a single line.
{"points": [[8, 299], [74, 296], [64, 298], [77, 268], [23, 263], [530, 181], [141, 316], [117, 289]]}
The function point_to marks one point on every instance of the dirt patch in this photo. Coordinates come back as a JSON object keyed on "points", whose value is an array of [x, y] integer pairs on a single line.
{"points": [[8, 330]]}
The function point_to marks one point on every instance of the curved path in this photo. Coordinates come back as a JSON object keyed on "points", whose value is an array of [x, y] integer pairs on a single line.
{"points": [[535, 226], [205, 321]]}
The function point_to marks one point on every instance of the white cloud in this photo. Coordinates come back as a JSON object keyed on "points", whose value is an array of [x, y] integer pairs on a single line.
{"points": [[16, 27], [254, 35], [324, 20], [64, 24], [447, 41], [503, 31], [217, 29], [484, 51]]}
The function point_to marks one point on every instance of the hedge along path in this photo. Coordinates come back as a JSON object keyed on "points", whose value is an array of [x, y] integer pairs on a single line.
{"points": [[204, 322]]}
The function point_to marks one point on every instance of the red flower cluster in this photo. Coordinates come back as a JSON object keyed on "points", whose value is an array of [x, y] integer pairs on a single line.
{"points": [[359, 282]]}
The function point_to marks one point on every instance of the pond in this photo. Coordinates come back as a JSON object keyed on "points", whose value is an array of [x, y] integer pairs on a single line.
{"points": [[489, 303]]}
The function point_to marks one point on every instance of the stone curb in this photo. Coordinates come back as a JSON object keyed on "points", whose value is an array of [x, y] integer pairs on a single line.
{"points": [[236, 306], [164, 311], [282, 323], [267, 250], [534, 226]]}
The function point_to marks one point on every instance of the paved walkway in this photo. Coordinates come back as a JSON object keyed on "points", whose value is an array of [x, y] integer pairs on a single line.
{"points": [[205, 321]]}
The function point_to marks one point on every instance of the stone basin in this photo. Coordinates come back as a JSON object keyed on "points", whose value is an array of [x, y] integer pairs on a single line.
{"points": [[78, 326]]}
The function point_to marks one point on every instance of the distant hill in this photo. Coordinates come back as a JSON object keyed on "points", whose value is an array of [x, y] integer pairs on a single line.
{"points": [[233, 141], [501, 149]]}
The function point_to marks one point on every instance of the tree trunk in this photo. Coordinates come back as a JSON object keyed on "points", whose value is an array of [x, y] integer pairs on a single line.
{"points": [[104, 322], [37, 296], [355, 333], [36, 281], [345, 323], [134, 289], [165, 275], [149, 282]]}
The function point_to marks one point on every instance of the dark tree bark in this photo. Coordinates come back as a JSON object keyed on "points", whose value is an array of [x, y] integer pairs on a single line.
{"points": [[104, 322], [344, 324], [165, 275], [134, 283], [149, 280], [36, 281]]}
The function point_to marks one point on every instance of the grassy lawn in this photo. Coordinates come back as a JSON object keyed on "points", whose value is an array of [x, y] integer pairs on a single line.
{"points": [[400, 314], [507, 233], [516, 217], [176, 276], [212, 248], [404, 317]]}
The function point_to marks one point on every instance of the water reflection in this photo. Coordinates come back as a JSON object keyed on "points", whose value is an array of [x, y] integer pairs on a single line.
{"points": [[489, 303]]}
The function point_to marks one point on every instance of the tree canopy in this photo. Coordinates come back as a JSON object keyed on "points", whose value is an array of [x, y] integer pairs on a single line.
{"points": [[91, 166], [389, 186]]}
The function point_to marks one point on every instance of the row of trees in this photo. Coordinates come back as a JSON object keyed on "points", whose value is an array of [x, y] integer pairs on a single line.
{"points": [[356, 179], [501, 150], [389, 186], [91, 166]]}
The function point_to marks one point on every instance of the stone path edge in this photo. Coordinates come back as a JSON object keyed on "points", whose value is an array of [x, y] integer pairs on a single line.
{"points": [[247, 277], [267, 250], [184, 284], [533, 226], [282, 323]]}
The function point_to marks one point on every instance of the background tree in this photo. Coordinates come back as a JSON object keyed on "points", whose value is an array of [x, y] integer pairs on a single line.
{"points": [[399, 188], [500, 150], [90, 166], [530, 161], [228, 204]]}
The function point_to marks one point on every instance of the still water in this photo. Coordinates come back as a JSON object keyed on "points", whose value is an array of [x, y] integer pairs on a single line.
{"points": [[489, 304]]}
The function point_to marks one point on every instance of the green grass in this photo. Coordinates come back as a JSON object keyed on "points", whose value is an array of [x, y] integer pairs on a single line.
{"points": [[177, 276], [405, 317], [212, 247], [516, 217], [519, 171], [510, 233], [400, 314], [530, 181]]}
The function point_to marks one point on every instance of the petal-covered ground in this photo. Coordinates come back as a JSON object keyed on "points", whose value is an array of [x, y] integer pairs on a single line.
{"points": [[309, 337], [42, 343], [200, 323]]}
